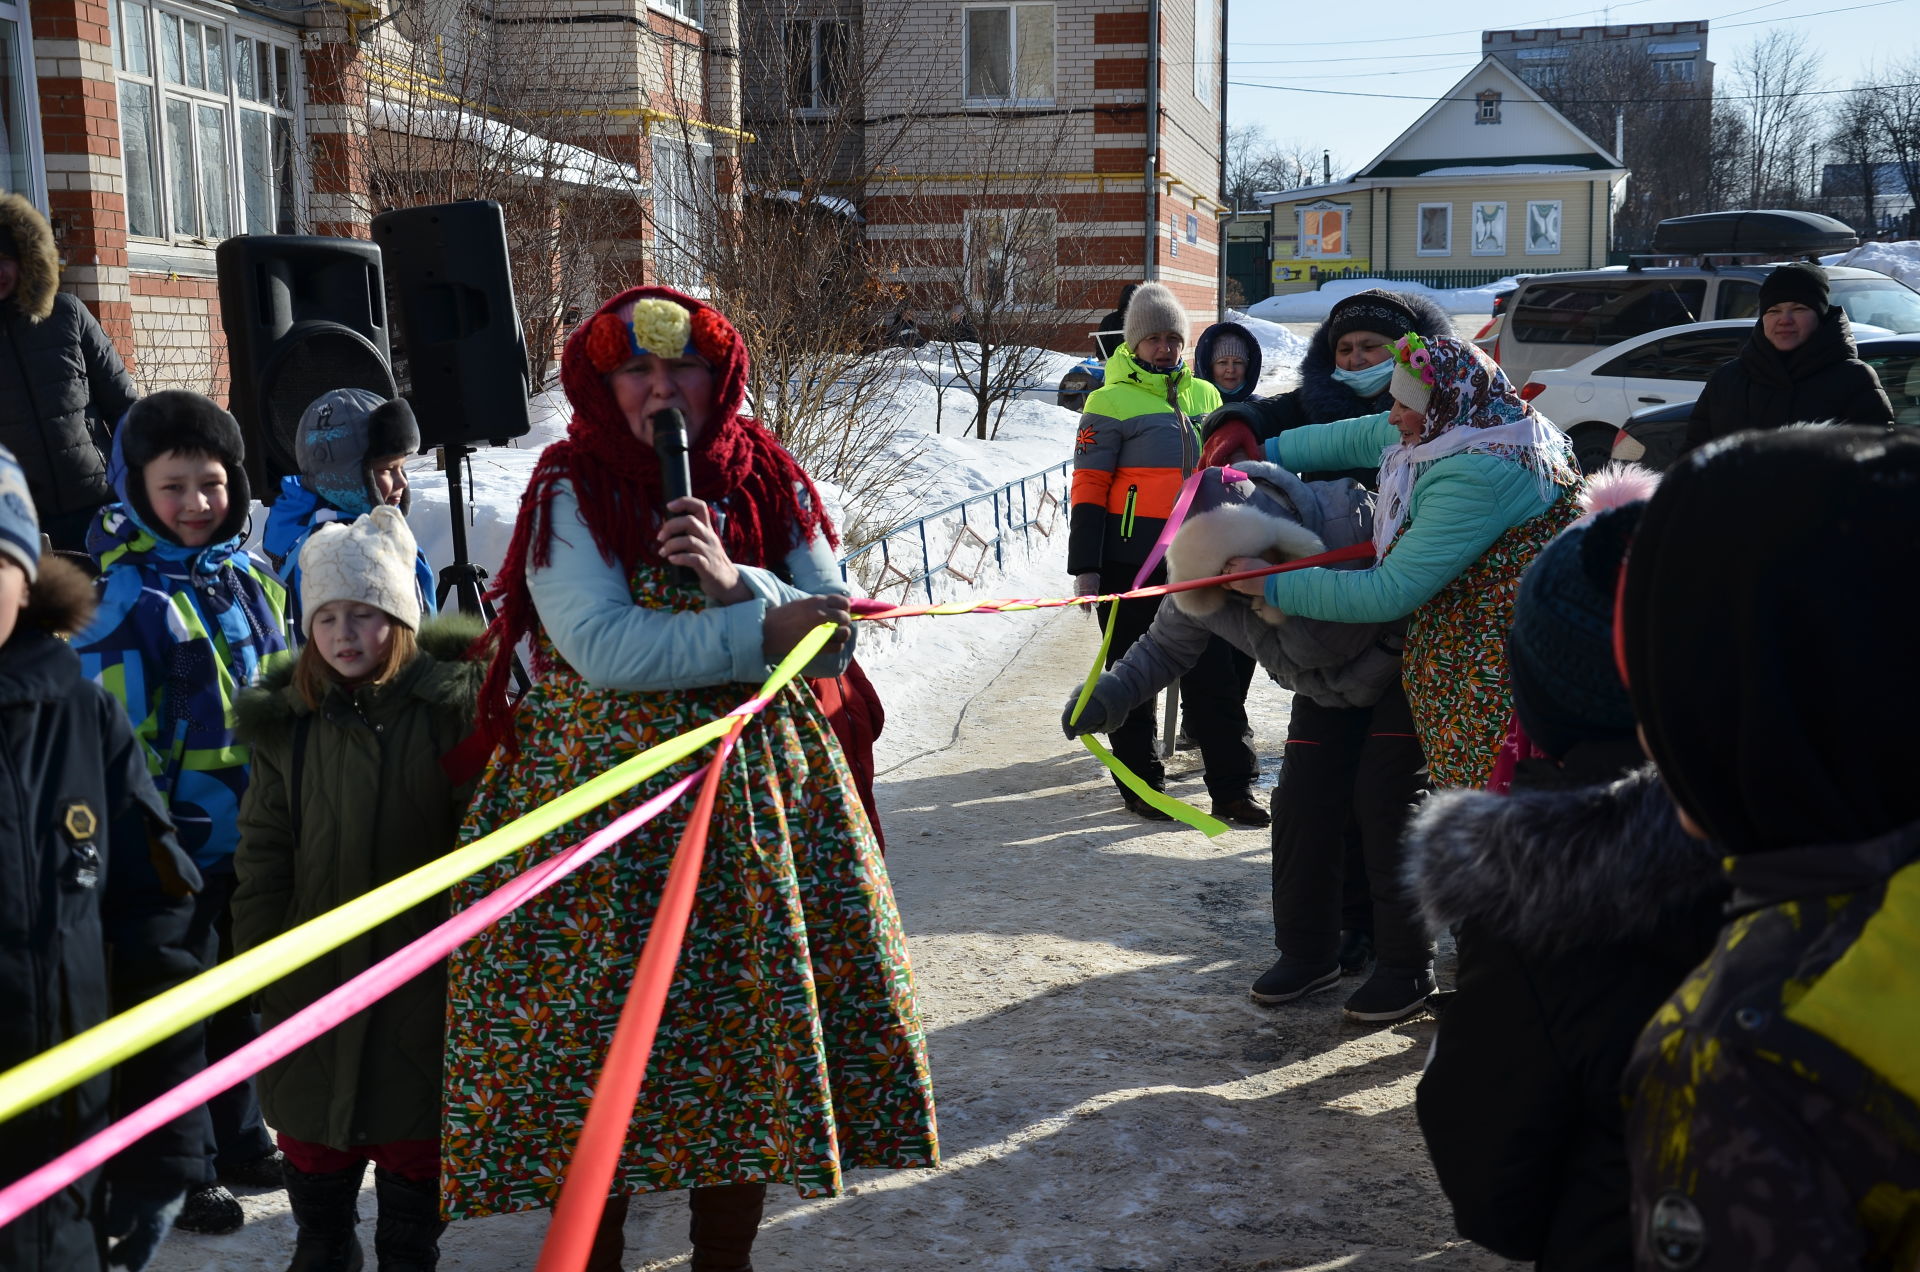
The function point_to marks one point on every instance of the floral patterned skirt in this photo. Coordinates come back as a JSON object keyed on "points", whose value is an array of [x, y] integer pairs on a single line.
{"points": [[1455, 664], [790, 1049]]}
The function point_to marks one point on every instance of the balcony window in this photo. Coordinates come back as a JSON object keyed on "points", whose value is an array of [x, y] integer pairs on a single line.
{"points": [[1008, 54]]}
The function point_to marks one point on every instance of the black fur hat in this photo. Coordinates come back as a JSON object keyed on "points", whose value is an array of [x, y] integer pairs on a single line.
{"points": [[175, 420]]}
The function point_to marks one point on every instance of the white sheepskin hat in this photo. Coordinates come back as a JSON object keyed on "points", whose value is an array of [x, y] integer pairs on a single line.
{"points": [[1231, 519], [369, 559]]}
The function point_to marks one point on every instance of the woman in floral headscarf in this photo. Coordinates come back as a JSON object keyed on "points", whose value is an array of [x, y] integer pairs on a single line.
{"points": [[790, 1049], [1473, 483]]}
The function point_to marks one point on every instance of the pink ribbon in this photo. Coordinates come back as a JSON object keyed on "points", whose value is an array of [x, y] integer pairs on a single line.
{"points": [[324, 1013], [1188, 489]]}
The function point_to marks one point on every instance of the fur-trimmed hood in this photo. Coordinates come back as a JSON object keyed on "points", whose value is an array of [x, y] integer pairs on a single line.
{"points": [[442, 675], [39, 260], [62, 600], [1324, 397], [1230, 519], [1550, 870]]}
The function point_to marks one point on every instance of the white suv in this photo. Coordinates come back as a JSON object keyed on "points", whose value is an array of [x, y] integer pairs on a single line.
{"points": [[1555, 320]]}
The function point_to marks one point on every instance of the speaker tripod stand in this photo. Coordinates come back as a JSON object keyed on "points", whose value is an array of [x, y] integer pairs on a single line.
{"points": [[463, 580]]}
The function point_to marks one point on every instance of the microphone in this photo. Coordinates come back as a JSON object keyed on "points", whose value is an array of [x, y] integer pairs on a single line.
{"points": [[676, 478]]}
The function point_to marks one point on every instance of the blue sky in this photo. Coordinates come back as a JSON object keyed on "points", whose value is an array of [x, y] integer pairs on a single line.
{"points": [[1373, 48]]}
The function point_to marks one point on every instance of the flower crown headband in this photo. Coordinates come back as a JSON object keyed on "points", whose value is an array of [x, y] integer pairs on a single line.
{"points": [[1416, 355], [659, 327]]}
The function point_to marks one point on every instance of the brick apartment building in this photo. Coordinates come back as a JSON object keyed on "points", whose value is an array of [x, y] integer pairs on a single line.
{"points": [[1098, 121], [150, 130]]}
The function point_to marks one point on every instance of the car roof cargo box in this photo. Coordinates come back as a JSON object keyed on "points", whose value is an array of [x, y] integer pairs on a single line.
{"points": [[1771, 232]]}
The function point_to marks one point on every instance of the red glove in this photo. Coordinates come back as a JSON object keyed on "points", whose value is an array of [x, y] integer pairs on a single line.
{"points": [[1231, 441]]}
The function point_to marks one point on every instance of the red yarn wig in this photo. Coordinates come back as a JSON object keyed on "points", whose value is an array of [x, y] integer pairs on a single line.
{"points": [[769, 502]]}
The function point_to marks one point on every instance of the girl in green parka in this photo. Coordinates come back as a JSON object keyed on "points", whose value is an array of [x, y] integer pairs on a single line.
{"points": [[349, 792]]}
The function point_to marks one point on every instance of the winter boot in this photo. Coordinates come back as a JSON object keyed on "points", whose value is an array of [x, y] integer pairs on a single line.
{"points": [[1294, 978], [211, 1211], [1356, 950], [610, 1238], [1391, 994], [726, 1219], [406, 1236], [323, 1209]]}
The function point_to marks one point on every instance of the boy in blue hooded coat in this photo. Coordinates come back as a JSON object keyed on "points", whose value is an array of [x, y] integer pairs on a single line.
{"points": [[187, 619], [352, 448]]}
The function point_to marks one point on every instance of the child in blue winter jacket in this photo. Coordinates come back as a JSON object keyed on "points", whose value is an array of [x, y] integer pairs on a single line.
{"points": [[188, 619], [352, 448]]}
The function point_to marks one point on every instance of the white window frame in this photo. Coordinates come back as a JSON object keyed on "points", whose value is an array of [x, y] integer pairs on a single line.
{"points": [[1560, 243], [25, 71], [1419, 227], [676, 237], [1046, 295], [814, 107], [1506, 228], [1676, 70], [1346, 231], [691, 12], [1487, 107], [1013, 54], [282, 102], [1206, 52]]}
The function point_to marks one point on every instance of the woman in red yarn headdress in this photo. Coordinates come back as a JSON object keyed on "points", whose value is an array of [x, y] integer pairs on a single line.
{"points": [[790, 1049]]}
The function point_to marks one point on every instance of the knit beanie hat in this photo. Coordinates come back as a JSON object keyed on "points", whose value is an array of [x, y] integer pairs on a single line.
{"points": [[1770, 657], [1799, 283], [1371, 310], [369, 559], [1228, 343], [19, 525], [1566, 684], [1153, 309], [340, 433]]}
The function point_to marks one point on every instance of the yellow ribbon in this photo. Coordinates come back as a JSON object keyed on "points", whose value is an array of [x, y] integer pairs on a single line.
{"points": [[1176, 809], [111, 1041]]}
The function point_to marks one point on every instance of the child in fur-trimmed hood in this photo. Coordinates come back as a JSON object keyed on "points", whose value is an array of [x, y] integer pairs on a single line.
{"points": [[349, 792], [106, 924]]}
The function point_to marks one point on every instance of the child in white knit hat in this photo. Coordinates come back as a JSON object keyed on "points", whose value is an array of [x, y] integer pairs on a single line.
{"points": [[349, 792]]}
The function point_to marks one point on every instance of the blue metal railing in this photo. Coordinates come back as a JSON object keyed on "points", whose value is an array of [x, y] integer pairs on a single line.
{"points": [[1013, 510]]}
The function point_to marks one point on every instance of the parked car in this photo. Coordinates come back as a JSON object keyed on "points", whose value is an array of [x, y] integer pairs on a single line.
{"points": [[1596, 396], [1554, 320], [1655, 435], [1488, 337]]}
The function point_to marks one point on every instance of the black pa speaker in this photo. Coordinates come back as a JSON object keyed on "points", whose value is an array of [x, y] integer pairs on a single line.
{"points": [[303, 315], [453, 291]]}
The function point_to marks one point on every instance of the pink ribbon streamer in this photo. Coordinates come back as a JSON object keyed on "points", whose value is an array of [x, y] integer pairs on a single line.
{"points": [[335, 1008], [1188, 489]]}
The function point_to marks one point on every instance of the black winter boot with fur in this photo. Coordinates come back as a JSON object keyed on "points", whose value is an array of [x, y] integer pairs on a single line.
{"points": [[406, 1236], [323, 1209]]}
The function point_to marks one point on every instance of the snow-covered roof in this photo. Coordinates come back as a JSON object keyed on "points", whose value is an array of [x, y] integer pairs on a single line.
{"points": [[1502, 169], [827, 202], [531, 154]]}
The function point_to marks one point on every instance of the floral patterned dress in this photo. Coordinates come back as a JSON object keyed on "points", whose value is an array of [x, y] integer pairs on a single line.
{"points": [[790, 1049], [1455, 664]]}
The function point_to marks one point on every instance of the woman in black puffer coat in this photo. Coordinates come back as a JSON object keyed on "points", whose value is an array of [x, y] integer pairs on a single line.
{"points": [[57, 368], [1344, 372], [1798, 366]]}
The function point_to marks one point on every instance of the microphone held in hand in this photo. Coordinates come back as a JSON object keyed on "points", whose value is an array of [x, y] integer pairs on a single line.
{"points": [[676, 479]]}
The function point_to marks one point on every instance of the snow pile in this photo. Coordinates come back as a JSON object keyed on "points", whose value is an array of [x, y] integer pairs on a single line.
{"points": [[1312, 306], [1896, 260], [925, 667]]}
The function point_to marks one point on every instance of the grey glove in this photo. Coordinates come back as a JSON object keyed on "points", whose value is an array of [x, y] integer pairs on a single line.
{"points": [[138, 1222], [1097, 718], [1087, 584]]}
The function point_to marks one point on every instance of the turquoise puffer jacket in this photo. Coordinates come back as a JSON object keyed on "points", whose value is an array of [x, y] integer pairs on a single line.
{"points": [[1460, 506]]}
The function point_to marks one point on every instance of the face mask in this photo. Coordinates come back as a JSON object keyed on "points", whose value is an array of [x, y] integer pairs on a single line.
{"points": [[1367, 382]]}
